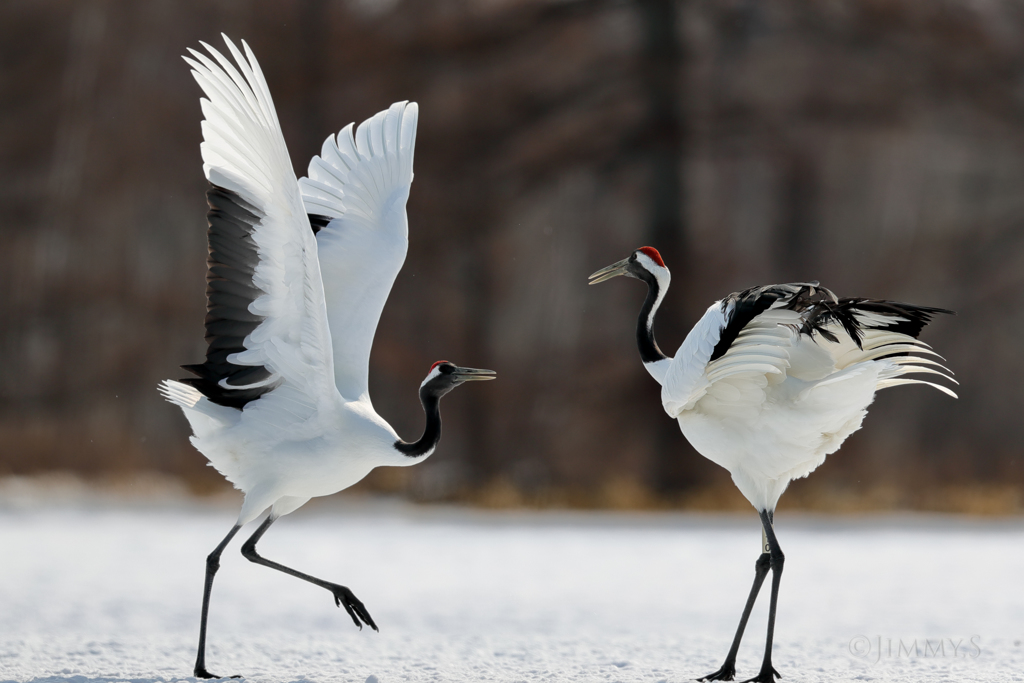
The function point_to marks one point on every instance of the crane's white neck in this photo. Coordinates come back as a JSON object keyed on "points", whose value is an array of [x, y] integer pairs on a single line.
{"points": [[658, 369]]}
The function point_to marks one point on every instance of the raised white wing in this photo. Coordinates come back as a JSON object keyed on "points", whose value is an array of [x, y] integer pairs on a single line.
{"points": [[758, 353], [355, 193], [684, 383], [267, 320]]}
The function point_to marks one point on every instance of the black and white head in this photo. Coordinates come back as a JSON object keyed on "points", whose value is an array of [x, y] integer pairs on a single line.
{"points": [[445, 376], [643, 264]]}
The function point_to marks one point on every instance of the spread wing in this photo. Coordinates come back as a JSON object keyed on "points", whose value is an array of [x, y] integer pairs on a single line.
{"points": [[862, 330], [266, 321], [355, 194], [762, 336], [740, 344]]}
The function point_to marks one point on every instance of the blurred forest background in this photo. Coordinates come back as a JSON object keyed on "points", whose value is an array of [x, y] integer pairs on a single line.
{"points": [[874, 145]]}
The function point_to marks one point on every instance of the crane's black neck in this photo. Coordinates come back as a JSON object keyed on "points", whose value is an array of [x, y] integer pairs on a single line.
{"points": [[649, 351], [431, 434]]}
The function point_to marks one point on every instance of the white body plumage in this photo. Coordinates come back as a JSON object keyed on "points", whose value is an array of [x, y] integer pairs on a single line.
{"points": [[283, 463], [772, 409]]}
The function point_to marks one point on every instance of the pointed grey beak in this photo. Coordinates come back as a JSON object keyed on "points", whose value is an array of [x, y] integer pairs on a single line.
{"points": [[473, 374], [611, 271]]}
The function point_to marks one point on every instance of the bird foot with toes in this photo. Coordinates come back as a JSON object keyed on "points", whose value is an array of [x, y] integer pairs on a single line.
{"points": [[343, 597], [726, 673], [203, 673], [765, 676]]}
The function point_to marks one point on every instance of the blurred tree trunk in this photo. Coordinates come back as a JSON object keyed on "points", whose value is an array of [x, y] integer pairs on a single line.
{"points": [[661, 65], [313, 34], [665, 148], [796, 234]]}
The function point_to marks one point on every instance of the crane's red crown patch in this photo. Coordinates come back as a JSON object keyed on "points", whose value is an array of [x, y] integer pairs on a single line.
{"points": [[436, 364], [653, 254]]}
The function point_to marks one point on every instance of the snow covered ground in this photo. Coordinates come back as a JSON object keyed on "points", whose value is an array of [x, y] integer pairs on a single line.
{"points": [[99, 594]]}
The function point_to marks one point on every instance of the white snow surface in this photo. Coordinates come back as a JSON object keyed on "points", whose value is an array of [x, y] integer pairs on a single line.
{"points": [[102, 594]]}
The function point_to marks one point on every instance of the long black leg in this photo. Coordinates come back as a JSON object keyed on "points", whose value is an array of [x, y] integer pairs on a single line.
{"points": [[343, 597], [212, 565], [768, 673], [728, 670]]}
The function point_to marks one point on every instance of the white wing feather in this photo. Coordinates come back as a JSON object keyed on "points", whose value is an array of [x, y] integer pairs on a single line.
{"points": [[770, 349], [685, 382], [244, 151], [361, 182], [758, 353]]}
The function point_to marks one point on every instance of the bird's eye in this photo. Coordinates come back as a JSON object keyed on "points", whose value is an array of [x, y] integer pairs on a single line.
{"points": [[447, 368], [632, 257]]}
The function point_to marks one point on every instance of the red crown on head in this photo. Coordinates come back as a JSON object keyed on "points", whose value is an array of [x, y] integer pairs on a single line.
{"points": [[653, 254], [436, 364]]}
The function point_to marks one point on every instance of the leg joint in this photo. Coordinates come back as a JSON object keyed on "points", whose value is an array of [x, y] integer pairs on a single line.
{"points": [[213, 561], [249, 551], [249, 547]]}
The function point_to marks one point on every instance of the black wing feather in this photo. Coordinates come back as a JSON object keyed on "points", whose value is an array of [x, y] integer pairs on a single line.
{"points": [[752, 302], [318, 222], [229, 291], [820, 308]]}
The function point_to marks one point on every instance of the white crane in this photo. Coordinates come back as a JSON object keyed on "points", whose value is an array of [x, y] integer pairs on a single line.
{"points": [[770, 381], [298, 274]]}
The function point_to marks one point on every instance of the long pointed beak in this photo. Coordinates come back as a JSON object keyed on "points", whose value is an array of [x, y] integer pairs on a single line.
{"points": [[611, 271], [474, 374]]}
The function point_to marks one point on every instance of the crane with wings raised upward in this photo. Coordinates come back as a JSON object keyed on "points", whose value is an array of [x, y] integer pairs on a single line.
{"points": [[299, 271]]}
